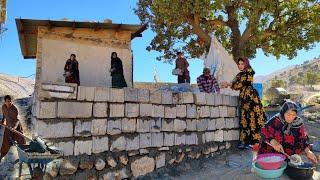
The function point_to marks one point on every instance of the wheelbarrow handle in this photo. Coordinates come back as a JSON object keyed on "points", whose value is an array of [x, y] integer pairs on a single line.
{"points": [[15, 131]]}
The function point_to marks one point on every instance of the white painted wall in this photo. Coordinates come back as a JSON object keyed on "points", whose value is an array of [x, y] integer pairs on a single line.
{"points": [[94, 62]]}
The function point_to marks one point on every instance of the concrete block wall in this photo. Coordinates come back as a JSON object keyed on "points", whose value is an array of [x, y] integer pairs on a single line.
{"points": [[149, 129]]}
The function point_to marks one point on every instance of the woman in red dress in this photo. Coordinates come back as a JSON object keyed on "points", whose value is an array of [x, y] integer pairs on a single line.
{"points": [[286, 133]]}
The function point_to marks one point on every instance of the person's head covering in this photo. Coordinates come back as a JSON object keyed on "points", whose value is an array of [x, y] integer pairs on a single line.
{"points": [[289, 105], [245, 61], [113, 54], [206, 70]]}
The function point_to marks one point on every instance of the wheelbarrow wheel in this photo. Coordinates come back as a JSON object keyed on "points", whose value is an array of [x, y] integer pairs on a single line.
{"points": [[37, 173]]}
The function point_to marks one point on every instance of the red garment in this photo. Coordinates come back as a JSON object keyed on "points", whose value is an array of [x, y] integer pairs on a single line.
{"points": [[183, 64], [294, 142], [72, 67]]}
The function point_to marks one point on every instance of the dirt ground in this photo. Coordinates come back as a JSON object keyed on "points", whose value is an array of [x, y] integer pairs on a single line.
{"points": [[230, 165]]}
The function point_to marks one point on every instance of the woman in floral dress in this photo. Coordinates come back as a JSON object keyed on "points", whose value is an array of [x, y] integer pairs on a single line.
{"points": [[252, 114], [285, 132]]}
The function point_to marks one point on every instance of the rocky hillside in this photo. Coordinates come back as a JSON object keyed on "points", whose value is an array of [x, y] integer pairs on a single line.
{"points": [[290, 71], [18, 87]]}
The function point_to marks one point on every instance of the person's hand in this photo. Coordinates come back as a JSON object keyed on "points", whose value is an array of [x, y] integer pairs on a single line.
{"points": [[276, 146], [311, 156]]}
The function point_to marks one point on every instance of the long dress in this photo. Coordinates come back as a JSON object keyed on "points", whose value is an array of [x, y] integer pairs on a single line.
{"points": [[72, 66], [252, 114], [118, 80], [293, 142]]}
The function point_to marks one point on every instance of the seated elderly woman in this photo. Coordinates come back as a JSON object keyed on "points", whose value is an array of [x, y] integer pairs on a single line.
{"points": [[285, 132]]}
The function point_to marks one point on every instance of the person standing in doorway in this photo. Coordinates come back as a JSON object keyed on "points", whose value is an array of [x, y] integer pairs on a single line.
{"points": [[10, 119], [71, 70], [182, 64], [116, 71]]}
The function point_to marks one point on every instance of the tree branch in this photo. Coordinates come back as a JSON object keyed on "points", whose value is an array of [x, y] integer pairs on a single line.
{"points": [[195, 22], [253, 21]]}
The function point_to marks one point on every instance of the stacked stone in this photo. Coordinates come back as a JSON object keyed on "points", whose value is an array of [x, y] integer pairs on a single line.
{"points": [[150, 129]]}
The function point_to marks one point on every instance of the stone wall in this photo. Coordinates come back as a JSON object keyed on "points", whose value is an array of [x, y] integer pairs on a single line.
{"points": [[107, 133]]}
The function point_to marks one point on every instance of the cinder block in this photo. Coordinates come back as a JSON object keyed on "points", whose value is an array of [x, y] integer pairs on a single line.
{"points": [[214, 112], [101, 94], [157, 139], [223, 111], [143, 125], [202, 124], [227, 135], [66, 146], [170, 112], [181, 111], [116, 95], [211, 124], [82, 147], [234, 100], [99, 127], [130, 94], [160, 160], [191, 139], [179, 125], [226, 100], [167, 125], [155, 97], [191, 111], [133, 143], [191, 124], [235, 135], [116, 110], [176, 98], [114, 127], [200, 98], [220, 123], [158, 111], [231, 111], [186, 98], [209, 136], [179, 139], [82, 128], [229, 123], [236, 122], [132, 110], [128, 125], [143, 95], [74, 110], [145, 110], [166, 97], [155, 125], [45, 129], [218, 136], [47, 110], [203, 111], [218, 99], [85, 93], [100, 109], [145, 140], [100, 144], [210, 99], [168, 139], [118, 144]]}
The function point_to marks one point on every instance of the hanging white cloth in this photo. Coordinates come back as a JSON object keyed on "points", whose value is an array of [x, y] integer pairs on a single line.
{"points": [[221, 64]]}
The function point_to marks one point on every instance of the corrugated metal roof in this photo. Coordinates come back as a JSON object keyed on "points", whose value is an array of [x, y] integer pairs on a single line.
{"points": [[28, 30]]}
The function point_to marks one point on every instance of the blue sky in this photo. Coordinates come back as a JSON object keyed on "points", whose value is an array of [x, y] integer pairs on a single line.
{"points": [[120, 11]]}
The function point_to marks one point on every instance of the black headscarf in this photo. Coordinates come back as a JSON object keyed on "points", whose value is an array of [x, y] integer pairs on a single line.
{"points": [[116, 64], [289, 105]]}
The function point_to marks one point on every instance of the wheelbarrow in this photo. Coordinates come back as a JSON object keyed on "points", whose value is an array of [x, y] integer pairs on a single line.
{"points": [[37, 154]]}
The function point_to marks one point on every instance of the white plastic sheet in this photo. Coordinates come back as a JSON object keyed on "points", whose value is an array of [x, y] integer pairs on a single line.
{"points": [[221, 64]]}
